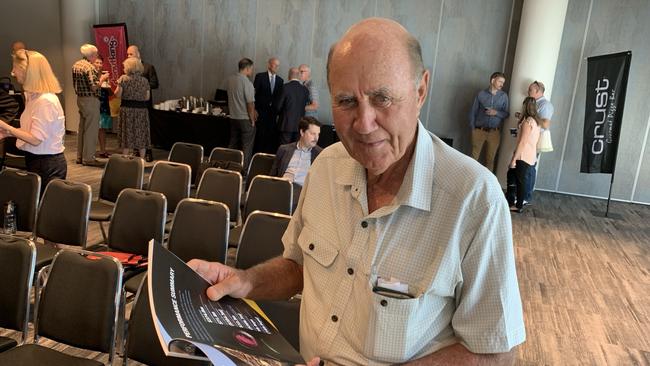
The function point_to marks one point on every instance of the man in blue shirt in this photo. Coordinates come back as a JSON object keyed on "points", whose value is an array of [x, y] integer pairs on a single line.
{"points": [[489, 110]]}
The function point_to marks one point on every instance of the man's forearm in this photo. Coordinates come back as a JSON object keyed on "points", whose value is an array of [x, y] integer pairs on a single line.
{"points": [[457, 354], [276, 279]]}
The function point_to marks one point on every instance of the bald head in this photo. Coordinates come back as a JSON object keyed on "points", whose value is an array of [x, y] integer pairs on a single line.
{"points": [[379, 36], [294, 73], [133, 51]]}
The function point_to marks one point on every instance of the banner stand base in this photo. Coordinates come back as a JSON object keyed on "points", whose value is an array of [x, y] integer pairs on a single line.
{"points": [[610, 215]]}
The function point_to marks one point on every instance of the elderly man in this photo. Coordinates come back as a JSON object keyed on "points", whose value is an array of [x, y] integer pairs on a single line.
{"points": [[489, 110], [291, 106], [402, 246], [293, 160], [150, 74], [86, 81], [311, 109], [268, 86]]}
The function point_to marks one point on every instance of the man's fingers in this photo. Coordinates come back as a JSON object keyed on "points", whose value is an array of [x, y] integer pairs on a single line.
{"points": [[228, 286]]}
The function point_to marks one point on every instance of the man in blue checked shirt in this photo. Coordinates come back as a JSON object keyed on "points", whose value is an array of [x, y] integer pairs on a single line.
{"points": [[489, 109]]}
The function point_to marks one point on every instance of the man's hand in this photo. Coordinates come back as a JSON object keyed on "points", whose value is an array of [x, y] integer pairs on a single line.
{"points": [[490, 111], [314, 362], [513, 164], [224, 280]]}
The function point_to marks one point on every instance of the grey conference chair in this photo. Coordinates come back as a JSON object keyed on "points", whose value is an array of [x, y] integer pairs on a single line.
{"points": [[78, 306], [266, 193], [226, 154], [62, 218], [261, 164], [172, 180], [17, 262], [261, 238], [121, 171], [190, 154], [24, 189], [199, 230], [222, 185], [142, 342], [138, 217]]}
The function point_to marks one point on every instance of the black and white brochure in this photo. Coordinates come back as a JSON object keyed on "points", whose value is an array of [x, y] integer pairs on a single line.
{"points": [[189, 325]]}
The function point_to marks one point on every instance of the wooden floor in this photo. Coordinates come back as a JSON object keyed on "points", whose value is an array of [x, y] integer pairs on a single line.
{"points": [[584, 280]]}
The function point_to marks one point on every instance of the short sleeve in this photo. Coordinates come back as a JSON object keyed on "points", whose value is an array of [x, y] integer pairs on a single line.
{"points": [[489, 316], [249, 91], [546, 112]]}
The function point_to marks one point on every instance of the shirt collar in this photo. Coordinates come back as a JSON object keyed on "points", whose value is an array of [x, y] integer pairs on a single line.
{"points": [[298, 147], [417, 187]]}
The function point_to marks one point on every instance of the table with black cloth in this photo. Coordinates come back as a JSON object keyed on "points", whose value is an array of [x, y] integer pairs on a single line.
{"points": [[169, 127]]}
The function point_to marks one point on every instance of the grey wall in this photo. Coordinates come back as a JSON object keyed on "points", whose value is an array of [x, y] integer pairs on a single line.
{"points": [[195, 45], [593, 28], [38, 24]]}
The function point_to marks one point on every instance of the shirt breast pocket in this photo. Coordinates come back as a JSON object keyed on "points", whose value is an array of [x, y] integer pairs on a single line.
{"points": [[317, 248], [398, 328]]}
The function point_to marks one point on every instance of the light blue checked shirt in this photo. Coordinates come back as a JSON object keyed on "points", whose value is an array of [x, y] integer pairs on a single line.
{"points": [[447, 235]]}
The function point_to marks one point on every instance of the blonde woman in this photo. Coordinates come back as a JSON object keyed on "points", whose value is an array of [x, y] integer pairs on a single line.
{"points": [[42, 124], [525, 155], [133, 124]]}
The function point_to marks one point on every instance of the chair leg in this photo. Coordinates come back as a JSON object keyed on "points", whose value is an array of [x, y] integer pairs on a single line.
{"points": [[101, 227]]}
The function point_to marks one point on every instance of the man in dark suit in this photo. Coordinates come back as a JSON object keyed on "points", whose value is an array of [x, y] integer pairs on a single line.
{"points": [[293, 160], [268, 86], [291, 106]]}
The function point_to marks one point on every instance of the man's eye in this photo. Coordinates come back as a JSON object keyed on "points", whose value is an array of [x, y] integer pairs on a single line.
{"points": [[382, 101], [346, 102]]}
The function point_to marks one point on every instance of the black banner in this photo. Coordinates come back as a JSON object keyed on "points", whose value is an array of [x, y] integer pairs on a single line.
{"points": [[606, 86]]}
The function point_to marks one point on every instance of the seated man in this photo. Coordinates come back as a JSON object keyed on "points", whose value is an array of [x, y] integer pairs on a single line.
{"points": [[292, 160]]}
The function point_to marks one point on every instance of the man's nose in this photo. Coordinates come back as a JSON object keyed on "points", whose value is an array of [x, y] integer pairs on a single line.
{"points": [[365, 122]]}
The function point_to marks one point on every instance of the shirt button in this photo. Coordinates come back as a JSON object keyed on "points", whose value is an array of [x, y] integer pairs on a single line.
{"points": [[311, 246], [335, 318], [383, 302], [350, 271], [364, 224]]}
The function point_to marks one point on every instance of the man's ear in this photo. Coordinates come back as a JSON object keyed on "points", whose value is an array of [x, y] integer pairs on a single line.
{"points": [[423, 88]]}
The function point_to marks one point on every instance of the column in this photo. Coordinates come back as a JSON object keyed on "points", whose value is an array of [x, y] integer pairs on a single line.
{"points": [[538, 46]]}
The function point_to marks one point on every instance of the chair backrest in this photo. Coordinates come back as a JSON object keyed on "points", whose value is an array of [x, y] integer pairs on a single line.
{"points": [[261, 238], [190, 154], [17, 262], [261, 163], [142, 342], [224, 186], [63, 214], [138, 217], [270, 194], [200, 230], [172, 180], [80, 301], [226, 154], [24, 188], [121, 171]]}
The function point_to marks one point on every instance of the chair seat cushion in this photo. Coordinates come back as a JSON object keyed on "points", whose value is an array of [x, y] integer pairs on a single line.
{"points": [[133, 283], [233, 237], [100, 211], [7, 343], [33, 354], [44, 255]]}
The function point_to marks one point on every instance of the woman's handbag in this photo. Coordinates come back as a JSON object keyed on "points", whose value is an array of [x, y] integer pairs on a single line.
{"points": [[544, 144]]}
